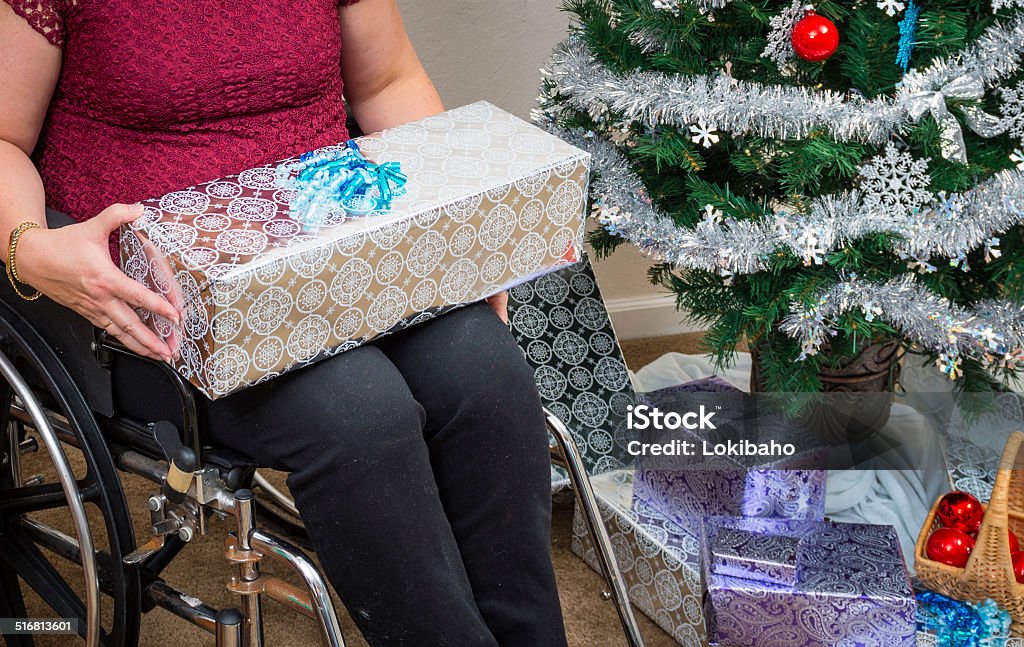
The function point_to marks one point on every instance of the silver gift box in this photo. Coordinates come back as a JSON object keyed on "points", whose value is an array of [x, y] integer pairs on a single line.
{"points": [[491, 201]]}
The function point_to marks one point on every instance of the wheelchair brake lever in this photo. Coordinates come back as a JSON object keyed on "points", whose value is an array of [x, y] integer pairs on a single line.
{"points": [[167, 437], [181, 460]]}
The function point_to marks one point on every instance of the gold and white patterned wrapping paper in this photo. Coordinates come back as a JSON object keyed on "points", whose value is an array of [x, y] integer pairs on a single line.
{"points": [[491, 201]]}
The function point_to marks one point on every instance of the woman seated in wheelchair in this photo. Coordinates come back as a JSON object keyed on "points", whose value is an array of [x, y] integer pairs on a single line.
{"points": [[419, 463]]}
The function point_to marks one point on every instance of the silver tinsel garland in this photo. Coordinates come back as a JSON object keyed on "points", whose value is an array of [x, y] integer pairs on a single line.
{"points": [[950, 227], [781, 112], [704, 6], [993, 333]]}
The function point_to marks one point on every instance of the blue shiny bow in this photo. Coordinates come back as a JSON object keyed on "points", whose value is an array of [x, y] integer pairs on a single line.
{"points": [[339, 180]]}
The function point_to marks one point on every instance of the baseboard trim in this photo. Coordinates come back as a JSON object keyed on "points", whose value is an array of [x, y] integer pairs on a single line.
{"points": [[650, 316]]}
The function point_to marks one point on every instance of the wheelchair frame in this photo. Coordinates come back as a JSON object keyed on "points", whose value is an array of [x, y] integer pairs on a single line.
{"points": [[191, 491]]}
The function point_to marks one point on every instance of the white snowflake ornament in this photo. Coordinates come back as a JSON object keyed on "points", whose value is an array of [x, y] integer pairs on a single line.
{"points": [[871, 310], [703, 134], [891, 7], [992, 250], [895, 184], [1017, 157], [810, 244], [1012, 109], [712, 215], [779, 47], [609, 216]]}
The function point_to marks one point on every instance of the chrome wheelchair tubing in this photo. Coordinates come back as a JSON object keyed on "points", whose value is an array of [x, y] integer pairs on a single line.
{"points": [[572, 461], [229, 628], [276, 495], [76, 506], [186, 607], [14, 452], [249, 571], [320, 598], [57, 423]]}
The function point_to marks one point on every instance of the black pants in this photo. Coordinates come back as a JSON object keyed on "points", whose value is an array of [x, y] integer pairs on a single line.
{"points": [[421, 468]]}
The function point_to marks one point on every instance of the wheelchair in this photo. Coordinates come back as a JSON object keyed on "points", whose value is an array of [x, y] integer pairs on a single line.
{"points": [[56, 397]]}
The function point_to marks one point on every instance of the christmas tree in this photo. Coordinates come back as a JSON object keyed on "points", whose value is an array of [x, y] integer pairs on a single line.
{"points": [[810, 180]]}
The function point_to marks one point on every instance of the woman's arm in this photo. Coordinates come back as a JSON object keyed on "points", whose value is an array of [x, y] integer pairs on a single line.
{"points": [[71, 265], [385, 83], [29, 67]]}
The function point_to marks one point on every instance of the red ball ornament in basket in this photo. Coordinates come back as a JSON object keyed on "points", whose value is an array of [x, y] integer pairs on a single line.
{"points": [[962, 511], [815, 37], [961, 515], [994, 568], [950, 546]]}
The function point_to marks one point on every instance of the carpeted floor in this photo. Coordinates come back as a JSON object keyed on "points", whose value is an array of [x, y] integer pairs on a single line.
{"points": [[201, 570]]}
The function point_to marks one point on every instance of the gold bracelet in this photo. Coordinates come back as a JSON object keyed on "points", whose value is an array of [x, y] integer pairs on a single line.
{"points": [[12, 268]]}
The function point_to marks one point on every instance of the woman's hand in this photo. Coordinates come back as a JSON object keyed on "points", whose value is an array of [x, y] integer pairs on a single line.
{"points": [[499, 303], [72, 266]]}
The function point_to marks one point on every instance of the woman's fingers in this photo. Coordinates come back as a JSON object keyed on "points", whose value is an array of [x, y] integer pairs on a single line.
{"points": [[116, 215], [129, 323], [130, 342], [136, 294], [499, 303]]}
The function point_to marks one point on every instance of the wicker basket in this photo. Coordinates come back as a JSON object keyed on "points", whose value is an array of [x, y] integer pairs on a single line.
{"points": [[989, 573]]}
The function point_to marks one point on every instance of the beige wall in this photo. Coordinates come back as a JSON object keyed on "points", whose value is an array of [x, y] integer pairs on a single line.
{"points": [[493, 49]]}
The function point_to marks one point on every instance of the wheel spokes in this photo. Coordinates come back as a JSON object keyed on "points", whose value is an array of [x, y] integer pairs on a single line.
{"points": [[12, 605], [66, 547], [34, 498], [25, 559]]}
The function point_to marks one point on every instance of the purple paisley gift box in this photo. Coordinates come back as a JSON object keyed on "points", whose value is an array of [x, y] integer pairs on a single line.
{"points": [[852, 588], [757, 556], [686, 489]]}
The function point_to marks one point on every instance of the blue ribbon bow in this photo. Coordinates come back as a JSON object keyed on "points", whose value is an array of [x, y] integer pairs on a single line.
{"points": [[339, 180]]}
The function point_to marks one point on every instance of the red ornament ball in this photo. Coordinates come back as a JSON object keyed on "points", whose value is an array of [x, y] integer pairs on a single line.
{"points": [[949, 546], [1014, 542], [1018, 565], [960, 510], [815, 37]]}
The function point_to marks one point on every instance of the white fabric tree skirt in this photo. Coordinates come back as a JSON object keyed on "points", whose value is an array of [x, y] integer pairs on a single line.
{"points": [[896, 489]]}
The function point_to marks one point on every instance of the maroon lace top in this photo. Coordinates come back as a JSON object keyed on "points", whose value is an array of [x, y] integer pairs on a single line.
{"points": [[157, 96]]}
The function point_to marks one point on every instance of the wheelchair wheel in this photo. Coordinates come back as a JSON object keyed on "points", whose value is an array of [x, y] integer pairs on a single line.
{"points": [[38, 545]]}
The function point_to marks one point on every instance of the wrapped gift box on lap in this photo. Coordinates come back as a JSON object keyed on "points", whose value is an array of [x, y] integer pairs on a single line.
{"points": [[852, 588], [490, 202], [688, 488]]}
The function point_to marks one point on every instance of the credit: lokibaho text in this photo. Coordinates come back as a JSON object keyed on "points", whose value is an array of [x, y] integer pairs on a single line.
{"points": [[643, 417]]}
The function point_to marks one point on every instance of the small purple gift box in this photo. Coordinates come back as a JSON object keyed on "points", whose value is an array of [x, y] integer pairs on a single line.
{"points": [[852, 588], [756, 556], [686, 488]]}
